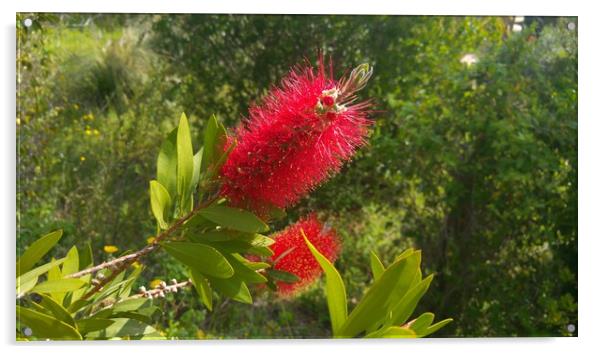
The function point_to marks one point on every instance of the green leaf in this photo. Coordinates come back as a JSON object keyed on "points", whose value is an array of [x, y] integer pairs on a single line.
{"points": [[27, 281], [234, 218], [282, 276], [405, 307], [37, 250], [376, 265], [185, 161], [57, 310], [202, 258], [93, 324], [71, 264], [245, 273], [131, 304], [421, 323], [201, 284], [393, 332], [58, 286], [435, 327], [196, 172], [233, 288], [86, 258], [380, 297], [210, 140], [45, 326], [167, 163], [335, 290], [160, 203], [122, 327]]}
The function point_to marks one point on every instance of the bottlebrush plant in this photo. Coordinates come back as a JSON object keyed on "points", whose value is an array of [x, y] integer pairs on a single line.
{"points": [[212, 208]]}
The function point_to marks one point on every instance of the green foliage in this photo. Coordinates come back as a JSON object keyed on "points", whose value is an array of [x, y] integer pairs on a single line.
{"points": [[476, 165], [382, 310], [55, 309]]}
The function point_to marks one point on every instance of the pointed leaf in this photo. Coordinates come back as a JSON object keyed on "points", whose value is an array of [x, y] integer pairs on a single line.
{"points": [[405, 307], [373, 307], [421, 323], [376, 265], [201, 284], [37, 250], [234, 218], [160, 203], [435, 327], [93, 324], [167, 163], [335, 290], [27, 281], [185, 161], [202, 258], [45, 326], [233, 288], [71, 264], [58, 286], [57, 310]]}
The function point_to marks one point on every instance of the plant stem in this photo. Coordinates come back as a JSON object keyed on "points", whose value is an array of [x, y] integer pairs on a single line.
{"points": [[118, 265]]}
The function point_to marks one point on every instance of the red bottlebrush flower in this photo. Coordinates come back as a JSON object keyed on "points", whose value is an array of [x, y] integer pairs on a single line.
{"points": [[299, 136], [292, 255]]}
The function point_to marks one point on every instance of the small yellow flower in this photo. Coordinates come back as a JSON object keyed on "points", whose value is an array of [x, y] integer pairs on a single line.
{"points": [[88, 132], [200, 334], [154, 283], [150, 239], [82, 158], [96, 132], [18, 121], [136, 265], [110, 249]]}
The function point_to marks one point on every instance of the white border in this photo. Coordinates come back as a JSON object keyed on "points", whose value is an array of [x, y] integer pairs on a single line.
{"points": [[589, 170]]}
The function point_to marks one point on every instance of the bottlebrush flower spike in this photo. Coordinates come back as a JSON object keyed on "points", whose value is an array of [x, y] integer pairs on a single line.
{"points": [[299, 136], [292, 255]]}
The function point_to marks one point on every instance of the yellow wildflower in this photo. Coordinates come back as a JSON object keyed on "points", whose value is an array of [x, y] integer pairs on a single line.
{"points": [[110, 249]]}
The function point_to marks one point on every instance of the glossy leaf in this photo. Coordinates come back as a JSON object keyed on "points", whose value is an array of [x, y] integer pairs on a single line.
{"points": [[282, 276], [373, 307], [71, 264], [27, 281], [167, 163], [122, 327], [93, 324], [160, 203], [37, 250], [202, 258], [234, 288], [57, 310], [201, 284], [405, 307], [335, 290], [245, 273], [376, 265], [45, 326], [422, 322], [435, 327], [58, 286], [185, 161], [234, 218]]}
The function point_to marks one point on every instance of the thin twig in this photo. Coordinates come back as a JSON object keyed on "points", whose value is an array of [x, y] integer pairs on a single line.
{"points": [[162, 289], [118, 265]]}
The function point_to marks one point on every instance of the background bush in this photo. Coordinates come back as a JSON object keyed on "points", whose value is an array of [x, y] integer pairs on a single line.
{"points": [[474, 163]]}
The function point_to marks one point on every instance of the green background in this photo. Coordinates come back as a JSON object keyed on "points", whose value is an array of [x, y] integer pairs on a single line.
{"points": [[474, 164]]}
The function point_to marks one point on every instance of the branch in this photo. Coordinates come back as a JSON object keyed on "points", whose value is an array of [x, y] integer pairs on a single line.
{"points": [[118, 265], [162, 289]]}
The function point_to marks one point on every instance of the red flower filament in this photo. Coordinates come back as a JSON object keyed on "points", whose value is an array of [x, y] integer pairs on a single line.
{"points": [[298, 137], [292, 255]]}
